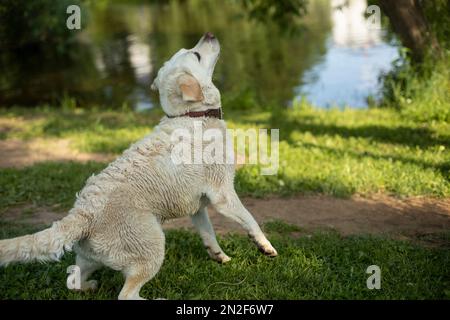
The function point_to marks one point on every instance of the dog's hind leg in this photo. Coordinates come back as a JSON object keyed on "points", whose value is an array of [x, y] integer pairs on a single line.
{"points": [[143, 258], [87, 267], [138, 274], [135, 277], [228, 203], [205, 229]]}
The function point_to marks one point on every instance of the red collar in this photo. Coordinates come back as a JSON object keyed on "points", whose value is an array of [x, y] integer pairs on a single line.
{"points": [[211, 113]]}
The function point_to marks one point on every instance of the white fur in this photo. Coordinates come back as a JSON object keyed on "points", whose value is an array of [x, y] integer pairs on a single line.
{"points": [[116, 219]]}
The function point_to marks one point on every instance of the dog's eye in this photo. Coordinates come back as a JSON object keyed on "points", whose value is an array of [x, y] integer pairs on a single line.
{"points": [[197, 55]]}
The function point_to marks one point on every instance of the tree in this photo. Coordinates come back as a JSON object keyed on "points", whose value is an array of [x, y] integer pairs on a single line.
{"points": [[408, 20]]}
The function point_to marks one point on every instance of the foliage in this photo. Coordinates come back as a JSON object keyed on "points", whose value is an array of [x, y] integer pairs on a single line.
{"points": [[421, 92], [283, 12], [37, 22], [438, 18]]}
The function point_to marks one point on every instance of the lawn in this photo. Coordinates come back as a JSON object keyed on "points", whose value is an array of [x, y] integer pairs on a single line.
{"points": [[334, 152], [314, 266]]}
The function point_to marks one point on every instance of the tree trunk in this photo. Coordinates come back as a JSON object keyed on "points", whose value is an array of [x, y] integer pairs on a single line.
{"points": [[408, 21]]}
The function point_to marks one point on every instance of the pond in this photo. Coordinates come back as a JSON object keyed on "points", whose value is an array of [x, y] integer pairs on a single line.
{"points": [[333, 58]]}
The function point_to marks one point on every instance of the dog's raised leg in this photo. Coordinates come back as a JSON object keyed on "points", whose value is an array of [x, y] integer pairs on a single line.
{"points": [[205, 229], [228, 203]]}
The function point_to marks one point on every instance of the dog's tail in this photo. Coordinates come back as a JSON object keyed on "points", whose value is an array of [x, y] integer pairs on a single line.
{"points": [[45, 245]]}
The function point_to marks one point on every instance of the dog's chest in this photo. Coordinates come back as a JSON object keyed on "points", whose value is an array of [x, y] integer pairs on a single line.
{"points": [[184, 204], [162, 186]]}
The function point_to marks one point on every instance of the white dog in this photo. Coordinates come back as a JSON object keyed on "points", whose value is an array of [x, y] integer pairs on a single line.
{"points": [[116, 219]]}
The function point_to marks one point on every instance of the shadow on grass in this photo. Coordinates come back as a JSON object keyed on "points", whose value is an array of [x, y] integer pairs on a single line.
{"points": [[51, 123], [405, 135], [58, 125]]}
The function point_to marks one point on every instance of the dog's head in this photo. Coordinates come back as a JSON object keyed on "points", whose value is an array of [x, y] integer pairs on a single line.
{"points": [[185, 81]]}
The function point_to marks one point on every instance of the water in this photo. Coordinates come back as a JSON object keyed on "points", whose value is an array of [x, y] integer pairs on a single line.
{"points": [[347, 76], [333, 59], [356, 56]]}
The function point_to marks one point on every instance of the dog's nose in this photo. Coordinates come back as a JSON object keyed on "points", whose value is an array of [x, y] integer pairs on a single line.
{"points": [[209, 36]]}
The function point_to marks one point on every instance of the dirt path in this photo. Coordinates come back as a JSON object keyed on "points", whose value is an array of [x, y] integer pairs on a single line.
{"points": [[380, 214]]}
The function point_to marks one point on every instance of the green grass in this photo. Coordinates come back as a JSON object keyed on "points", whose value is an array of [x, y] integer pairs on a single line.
{"points": [[355, 151], [333, 152], [53, 183], [321, 266]]}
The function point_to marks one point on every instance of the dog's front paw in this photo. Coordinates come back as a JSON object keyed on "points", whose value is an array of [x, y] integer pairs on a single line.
{"points": [[219, 257], [223, 258], [264, 245], [271, 252], [267, 249]]}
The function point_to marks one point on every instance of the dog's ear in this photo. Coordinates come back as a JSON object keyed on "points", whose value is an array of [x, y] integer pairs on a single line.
{"points": [[190, 88], [154, 85]]}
